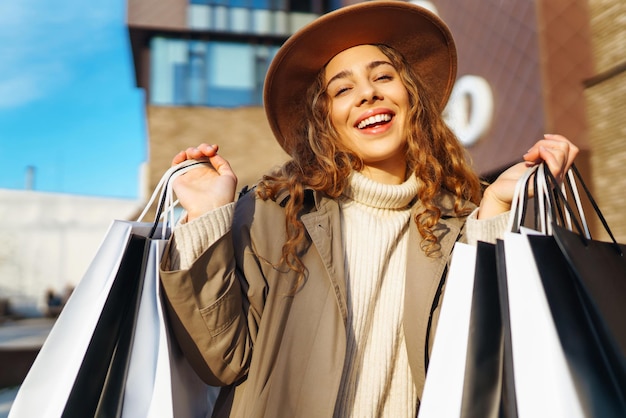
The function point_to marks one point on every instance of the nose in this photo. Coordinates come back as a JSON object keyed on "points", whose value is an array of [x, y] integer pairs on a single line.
{"points": [[369, 93]]}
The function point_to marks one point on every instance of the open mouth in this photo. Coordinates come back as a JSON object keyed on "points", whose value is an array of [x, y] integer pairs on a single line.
{"points": [[375, 120]]}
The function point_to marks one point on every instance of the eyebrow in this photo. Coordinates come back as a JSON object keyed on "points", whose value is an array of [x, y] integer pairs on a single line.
{"points": [[347, 73]]}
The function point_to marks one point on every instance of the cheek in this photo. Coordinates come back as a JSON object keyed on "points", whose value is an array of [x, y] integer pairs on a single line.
{"points": [[339, 111]]}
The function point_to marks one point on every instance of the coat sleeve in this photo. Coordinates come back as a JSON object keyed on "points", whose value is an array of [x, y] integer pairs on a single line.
{"points": [[214, 308]]}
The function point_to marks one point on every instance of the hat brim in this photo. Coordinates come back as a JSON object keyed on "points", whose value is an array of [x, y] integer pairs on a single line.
{"points": [[419, 35]]}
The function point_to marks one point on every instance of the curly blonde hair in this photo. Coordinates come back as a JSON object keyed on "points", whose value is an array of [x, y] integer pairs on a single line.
{"points": [[320, 161]]}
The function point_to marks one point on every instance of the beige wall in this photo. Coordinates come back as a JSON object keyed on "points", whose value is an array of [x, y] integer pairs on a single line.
{"points": [[48, 240], [606, 110], [243, 135], [608, 33]]}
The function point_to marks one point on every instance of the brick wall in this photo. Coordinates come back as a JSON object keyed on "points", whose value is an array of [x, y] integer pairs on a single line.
{"points": [[608, 33], [243, 135], [606, 111]]}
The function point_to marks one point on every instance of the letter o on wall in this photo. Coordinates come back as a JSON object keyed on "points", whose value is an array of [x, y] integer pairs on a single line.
{"points": [[470, 109]]}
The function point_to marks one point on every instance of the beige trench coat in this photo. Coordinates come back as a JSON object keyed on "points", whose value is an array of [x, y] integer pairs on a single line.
{"points": [[280, 353]]}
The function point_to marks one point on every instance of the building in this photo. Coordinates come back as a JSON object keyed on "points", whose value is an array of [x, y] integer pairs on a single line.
{"points": [[48, 240], [525, 68], [202, 64]]}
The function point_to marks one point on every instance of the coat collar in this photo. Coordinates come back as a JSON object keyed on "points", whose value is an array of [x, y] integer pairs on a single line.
{"points": [[322, 222]]}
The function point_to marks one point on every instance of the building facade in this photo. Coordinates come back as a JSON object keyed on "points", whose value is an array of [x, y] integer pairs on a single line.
{"points": [[48, 241], [525, 68]]}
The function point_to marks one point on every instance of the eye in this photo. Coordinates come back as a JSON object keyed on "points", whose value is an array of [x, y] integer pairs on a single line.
{"points": [[383, 77], [340, 91]]}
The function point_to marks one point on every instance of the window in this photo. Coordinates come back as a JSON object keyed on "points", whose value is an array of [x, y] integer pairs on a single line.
{"points": [[222, 74]]}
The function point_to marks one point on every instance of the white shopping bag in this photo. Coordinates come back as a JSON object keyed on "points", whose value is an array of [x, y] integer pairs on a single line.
{"points": [[48, 384], [543, 383], [443, 389], [160, 381]]}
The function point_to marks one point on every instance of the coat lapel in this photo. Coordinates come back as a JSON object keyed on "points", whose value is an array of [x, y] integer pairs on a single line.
{"points": [[424, 282], [324, 228]]}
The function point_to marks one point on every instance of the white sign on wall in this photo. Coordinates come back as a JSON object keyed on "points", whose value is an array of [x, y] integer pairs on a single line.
{"points": [[470, 109]]}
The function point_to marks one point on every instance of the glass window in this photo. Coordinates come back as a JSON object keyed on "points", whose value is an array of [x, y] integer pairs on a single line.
{"points": [[199, 73], [197, 69], [238, 3], [301, 5], [168, 71], [261, 4]]}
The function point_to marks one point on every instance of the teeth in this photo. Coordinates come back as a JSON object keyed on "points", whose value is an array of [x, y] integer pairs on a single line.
{"points": [[374, 119]]}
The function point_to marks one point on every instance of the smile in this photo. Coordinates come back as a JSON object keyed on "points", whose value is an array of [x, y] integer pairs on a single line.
{"points": [[374, 120]]}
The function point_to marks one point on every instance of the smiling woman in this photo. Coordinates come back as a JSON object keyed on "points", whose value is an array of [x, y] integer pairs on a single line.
{"points": [[368, 110], [317, 293]]}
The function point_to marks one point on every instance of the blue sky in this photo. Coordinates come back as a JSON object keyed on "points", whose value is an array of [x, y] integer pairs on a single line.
{"points": [[68, 103]]}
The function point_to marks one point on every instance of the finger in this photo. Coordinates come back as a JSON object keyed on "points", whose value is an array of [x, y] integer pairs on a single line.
{"points": [[222, 166], [179, 158], [571, 151], [554, 143], [201, 152], [555, 159], [208, 150]]}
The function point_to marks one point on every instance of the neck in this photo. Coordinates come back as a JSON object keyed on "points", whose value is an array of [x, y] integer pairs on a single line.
{"points": [[396, 174]]}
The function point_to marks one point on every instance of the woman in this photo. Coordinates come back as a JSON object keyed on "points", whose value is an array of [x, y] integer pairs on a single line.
{"points": [[317, 294]]}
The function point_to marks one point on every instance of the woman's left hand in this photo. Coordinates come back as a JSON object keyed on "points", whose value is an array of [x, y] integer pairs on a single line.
{"points": [[555, 150]]}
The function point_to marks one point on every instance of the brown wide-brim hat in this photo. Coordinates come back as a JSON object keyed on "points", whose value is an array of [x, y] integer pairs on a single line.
{"points": [[419, 35]]}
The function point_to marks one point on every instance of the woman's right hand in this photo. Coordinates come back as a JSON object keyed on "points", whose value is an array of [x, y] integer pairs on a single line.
{"points": [[206, 187]]}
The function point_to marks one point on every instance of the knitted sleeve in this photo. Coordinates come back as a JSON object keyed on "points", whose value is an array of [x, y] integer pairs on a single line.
{"points": [[191, 239], [487, 230]]}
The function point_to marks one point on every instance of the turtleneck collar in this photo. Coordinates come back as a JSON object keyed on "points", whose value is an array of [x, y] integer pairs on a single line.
{"points": [[368, 192]]}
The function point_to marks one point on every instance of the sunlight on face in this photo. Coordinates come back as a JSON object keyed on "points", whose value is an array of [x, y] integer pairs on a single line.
{"points": [[369, 106]]}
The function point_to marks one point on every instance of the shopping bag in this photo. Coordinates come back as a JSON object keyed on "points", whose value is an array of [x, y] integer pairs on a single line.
{"points": [[48, 384], [99, 384], [543, 278], [544, 386], [160, 381], [597, 379], [597, 272], [485, 384], [600, 271], [541, 378], [443, 388], [85, 364], [487, 388]]}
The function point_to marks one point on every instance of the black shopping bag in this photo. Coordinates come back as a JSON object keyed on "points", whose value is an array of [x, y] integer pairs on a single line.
{"points": [[598, 379], [488, 385], [600, 270]]}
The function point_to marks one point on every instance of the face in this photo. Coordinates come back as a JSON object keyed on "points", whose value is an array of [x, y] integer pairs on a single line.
{"points": [[369, 106]]}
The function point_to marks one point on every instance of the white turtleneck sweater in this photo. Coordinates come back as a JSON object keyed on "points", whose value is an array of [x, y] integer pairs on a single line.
{"points": [[376, 378]]}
